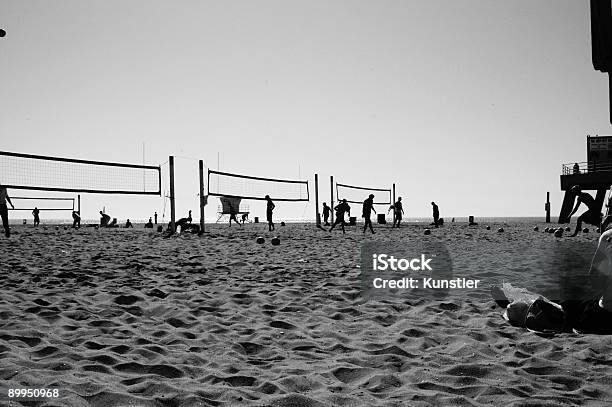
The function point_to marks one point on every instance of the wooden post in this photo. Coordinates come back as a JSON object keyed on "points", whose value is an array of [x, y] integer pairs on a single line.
{"points": [[331, 188], [393, 202], [547, 207], [172, 207], [202, 196], [79, 204], [317, 215]]}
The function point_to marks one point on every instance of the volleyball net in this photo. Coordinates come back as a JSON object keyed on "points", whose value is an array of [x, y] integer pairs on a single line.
{"points": [[42, 203], [356, 195], [44, 173], [249, 187]]}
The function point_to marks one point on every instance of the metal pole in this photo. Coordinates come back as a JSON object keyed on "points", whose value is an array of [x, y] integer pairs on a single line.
{"points": [[201, 196], [79, 204], [317, 216], [547, 207], [393, 203], [172, 208], [331, 188]]}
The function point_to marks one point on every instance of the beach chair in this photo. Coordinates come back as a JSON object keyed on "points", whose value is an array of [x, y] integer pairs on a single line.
{"points": [[228, 203]]}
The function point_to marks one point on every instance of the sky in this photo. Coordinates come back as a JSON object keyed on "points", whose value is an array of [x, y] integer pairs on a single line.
{"points": [[474, 104]]}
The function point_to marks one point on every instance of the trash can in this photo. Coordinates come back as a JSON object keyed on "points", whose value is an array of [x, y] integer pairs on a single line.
{"points": [[381, 219], [353, 221], [256, 219]]}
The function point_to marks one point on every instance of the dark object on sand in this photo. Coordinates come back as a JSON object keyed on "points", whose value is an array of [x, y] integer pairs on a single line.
{"points": [[160, 229], [427, 232], [275, 241], [559, 232], [282, 223], [535, 228], [2, 32], [585, 230], [260, 240], [488, 227], [470, 221], [500, 230]]}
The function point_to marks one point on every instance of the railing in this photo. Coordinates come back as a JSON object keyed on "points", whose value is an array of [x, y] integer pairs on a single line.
{"points": [[585, 168]]}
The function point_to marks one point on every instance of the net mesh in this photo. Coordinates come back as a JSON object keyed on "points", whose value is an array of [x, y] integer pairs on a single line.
{"points": [[43, 204], [24, 171], [248, 187], [357, 195]]}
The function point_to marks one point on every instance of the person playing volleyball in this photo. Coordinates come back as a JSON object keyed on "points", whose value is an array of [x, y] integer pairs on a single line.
{"points": [[342, 208]]}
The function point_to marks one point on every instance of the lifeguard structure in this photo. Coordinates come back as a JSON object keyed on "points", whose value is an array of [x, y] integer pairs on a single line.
{"points": [[593, 175]]}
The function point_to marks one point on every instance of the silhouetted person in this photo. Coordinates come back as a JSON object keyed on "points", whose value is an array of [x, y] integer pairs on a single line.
{"points": [[76, 219], [245, 217], [4, 198], [182, 222], [398, 212], [155, 218], [269, 208], [576, 168], [232, 212], [128, 224], [35, 213], [592, 215], [342, 208], [436, 214], [104, 220], [368, 207], [149, 224], [326, 213]]}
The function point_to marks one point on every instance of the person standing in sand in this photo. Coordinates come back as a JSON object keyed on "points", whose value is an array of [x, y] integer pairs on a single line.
{"points": [[269, 209], [342, 208], [398, 211], [591, 216], [4, 198], [436, 214], [35, 213], [368, 207], [326, 213], [155, 217]]}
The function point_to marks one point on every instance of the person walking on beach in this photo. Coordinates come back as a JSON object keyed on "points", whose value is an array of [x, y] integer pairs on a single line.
{"points": [[368, 207], [436, 214], [155, 216], [591, 216], [326, 213], [398, 211], [35, 213], [4, 198], [233, 215], [76, 220], [342, 208], [269, 208]]}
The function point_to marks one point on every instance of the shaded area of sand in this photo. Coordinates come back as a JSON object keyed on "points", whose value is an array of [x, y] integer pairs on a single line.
{"points": [[126, 317]]}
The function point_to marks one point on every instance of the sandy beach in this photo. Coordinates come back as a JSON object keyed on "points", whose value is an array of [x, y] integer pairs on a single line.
{"points": [[126, 317]]}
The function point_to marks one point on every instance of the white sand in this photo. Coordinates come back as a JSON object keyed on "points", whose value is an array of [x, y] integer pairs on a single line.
{"points": [[126, 317]]}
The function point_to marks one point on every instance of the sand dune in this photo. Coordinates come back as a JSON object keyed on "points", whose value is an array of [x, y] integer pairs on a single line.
{"points": [[127, 317]]}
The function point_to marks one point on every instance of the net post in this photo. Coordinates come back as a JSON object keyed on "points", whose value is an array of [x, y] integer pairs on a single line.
{"points": [[79, 204], [316, 191], [331, 190], [393, 201], [201, 166], [547, 207], [172, 208]]}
